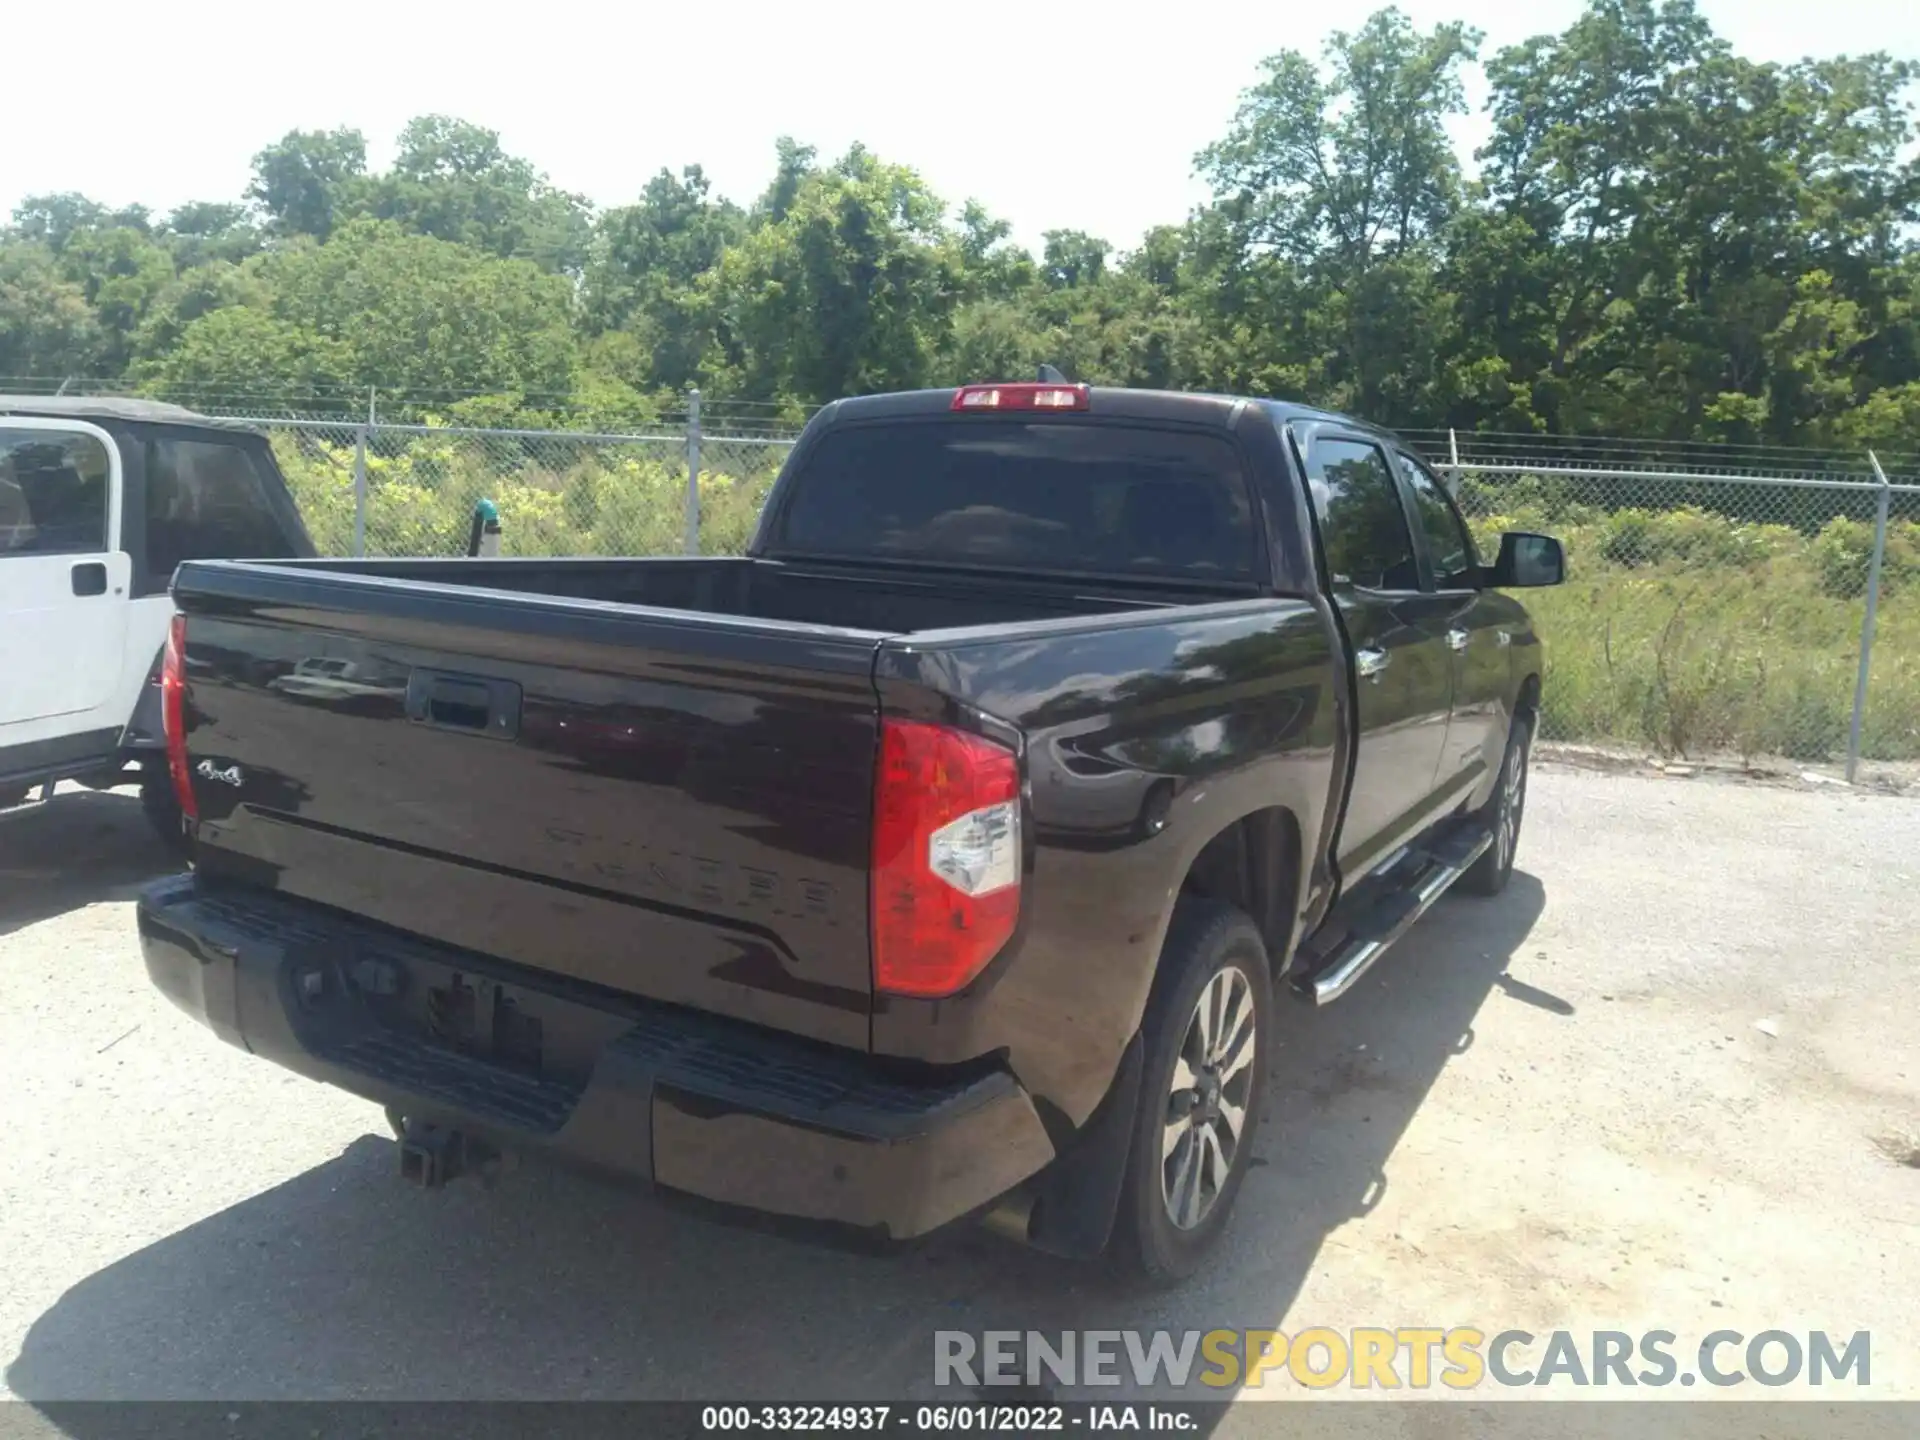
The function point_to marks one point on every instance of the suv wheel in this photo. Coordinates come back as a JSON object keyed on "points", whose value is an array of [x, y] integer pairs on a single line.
{"points": [[1206, 1037]]}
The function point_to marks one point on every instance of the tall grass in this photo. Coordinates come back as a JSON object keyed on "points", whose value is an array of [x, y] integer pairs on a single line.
{"points": [[1690, 633], [555, 497], [1680, 630]]}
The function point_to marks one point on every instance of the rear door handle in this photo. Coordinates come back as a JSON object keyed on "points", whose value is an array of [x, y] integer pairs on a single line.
{"points": [[1371, 664], [1457, 639], [90, 578]]}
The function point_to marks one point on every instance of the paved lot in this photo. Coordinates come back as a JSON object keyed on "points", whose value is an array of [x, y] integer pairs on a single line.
{"points": [[1553, 1109]]}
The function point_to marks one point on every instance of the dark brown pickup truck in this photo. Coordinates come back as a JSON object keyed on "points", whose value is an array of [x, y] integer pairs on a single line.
{"points": [[939, 857]]}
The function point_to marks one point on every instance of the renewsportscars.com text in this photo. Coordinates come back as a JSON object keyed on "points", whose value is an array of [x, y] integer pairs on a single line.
{"points": [[1408, 1357]]}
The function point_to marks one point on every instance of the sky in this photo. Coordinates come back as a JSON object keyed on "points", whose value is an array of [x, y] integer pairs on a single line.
{"points": [[1054, 115]]}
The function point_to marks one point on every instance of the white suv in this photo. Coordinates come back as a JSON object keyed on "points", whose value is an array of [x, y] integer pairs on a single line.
{"points": [[99, 500]]}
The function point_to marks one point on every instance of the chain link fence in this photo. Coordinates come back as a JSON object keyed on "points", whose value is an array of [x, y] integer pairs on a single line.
{"points": [[1717, 602], [1733, 602], [382, 489]]}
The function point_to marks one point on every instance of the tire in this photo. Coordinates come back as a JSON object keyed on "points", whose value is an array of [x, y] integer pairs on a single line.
{"points": [[1173, 1206], [1504, 810], [162, 807]]}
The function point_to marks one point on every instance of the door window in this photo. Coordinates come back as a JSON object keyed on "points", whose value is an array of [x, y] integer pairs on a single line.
{"points": [[1448, 544], [53, 492], [1362, 522]]}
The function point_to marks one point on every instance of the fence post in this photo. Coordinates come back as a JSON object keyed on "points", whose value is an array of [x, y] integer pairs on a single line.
{"points": [[1867, 621], [360, 492], [693, 472], [1453, 460]]}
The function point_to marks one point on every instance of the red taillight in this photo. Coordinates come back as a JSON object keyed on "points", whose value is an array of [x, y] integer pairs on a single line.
{"points": [[946, 857], [173, 714], [1029, 395]]}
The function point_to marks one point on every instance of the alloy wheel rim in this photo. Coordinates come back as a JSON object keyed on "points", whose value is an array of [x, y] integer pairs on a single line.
{"points": [[1513, 795], [1208, 1099]]}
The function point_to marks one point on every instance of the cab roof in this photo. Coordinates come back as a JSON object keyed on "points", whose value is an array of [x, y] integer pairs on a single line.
{"points": [[1112, 401], [111, 407]]}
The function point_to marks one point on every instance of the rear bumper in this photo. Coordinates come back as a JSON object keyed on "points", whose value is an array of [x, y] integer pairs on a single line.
{"points": [[709, 1108]]}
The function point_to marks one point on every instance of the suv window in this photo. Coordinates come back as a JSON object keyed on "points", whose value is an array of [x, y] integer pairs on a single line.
{"points": [[1449, 545], [1362, 523], [53, 492], [206, 501], [1070, 496]]}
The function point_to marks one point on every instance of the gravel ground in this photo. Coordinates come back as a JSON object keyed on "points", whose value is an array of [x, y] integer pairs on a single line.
{"points": [[1668, 1080]]}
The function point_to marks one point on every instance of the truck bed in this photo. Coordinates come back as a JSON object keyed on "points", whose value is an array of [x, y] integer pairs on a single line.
{"points": [[648, 776], [888, 602]]}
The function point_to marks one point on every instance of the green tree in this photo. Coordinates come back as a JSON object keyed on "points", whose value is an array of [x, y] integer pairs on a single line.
{"points": [[648, 260], [1350, 162], [376, 306], [851, 290], [200, 290], [1343, 173], [56, 219], [121, 271], [307, 180], [1670, 206], [47, 329], [205, 231], [452, 180]]}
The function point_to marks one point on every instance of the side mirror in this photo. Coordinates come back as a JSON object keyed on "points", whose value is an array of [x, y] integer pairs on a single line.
{"points": [[1528, 561]]}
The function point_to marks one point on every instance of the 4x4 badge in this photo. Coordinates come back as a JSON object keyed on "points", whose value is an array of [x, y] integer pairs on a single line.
{"points": [[229, 776]]}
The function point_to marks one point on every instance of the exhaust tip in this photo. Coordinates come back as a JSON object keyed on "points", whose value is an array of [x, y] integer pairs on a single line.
{"points": [[1011, 1217]]}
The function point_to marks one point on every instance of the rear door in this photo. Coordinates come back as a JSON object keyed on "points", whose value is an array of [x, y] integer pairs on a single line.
{"points": [[63, 580], [1403, 668], [1476, 641]]}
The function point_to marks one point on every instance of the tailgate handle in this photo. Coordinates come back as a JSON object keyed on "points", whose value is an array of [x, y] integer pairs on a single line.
{"points": [[464, 702]]}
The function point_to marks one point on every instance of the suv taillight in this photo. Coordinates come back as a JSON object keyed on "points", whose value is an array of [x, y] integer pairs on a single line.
{"points": [[946, 857], [173, 714]]}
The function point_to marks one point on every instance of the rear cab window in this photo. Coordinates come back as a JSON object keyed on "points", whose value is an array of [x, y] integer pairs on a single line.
{"points": [[1074, 496], [208, 499]]}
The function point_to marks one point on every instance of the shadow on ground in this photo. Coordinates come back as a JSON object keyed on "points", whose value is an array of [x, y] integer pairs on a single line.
{"points": [[341, 1283], [80, 848]]}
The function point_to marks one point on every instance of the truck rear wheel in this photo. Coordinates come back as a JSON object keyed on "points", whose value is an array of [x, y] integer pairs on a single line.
{"points": [[1206, 1043]]}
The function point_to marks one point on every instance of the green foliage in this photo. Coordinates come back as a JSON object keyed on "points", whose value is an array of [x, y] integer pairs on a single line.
{"points": [[1663, 239], [305, 180], [587, 501], [1689, 537], [46, 325], [1842, 555], [377, 305], [1692, 633], [451, 180]]}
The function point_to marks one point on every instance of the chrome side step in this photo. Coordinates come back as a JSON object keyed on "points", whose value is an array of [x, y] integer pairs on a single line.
{"points": [[1326, 983]]}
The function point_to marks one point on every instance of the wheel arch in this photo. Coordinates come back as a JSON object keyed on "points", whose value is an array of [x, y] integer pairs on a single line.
{"points": [[1255, 863]]}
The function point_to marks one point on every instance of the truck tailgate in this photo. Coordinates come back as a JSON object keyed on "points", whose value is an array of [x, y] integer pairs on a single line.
{"points": [[661, 803]]}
